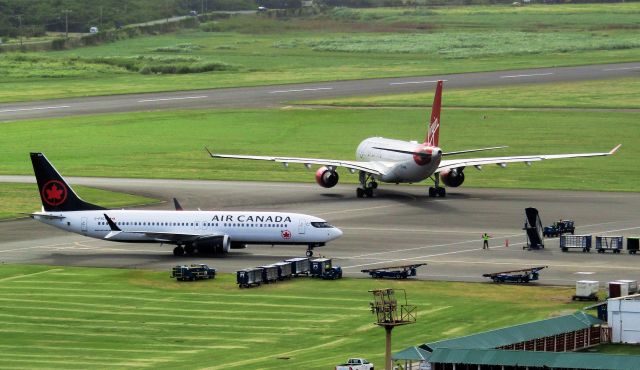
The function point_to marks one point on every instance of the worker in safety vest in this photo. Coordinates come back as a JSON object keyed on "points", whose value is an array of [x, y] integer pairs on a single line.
{"points": [[485, 241]]}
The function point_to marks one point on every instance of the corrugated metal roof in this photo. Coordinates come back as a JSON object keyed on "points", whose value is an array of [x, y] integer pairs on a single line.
{"points": [[519, 333], [565, 360], [412, 353]]}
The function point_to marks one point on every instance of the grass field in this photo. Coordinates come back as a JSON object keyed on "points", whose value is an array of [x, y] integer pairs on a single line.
{"points": [[76, 318], [608, 94], [171, 144], [353, 44], [20, 199]]}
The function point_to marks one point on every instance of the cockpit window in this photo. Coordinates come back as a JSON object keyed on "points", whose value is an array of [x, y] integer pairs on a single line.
{"points": [[321, 225]]}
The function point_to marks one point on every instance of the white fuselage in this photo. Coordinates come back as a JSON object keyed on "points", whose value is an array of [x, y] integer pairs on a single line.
{"points": [[241, 227], [398, 167]]}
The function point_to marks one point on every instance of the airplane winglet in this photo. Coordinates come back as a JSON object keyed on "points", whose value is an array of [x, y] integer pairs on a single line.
{"points": [[177, 205], [208, 151], [112, 224], [615, 149]]}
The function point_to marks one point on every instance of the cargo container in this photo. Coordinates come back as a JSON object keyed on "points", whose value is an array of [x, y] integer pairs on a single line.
{"points": [[284, 270], [319, 266], [582, 242], [299, 266], [618, 289], [193, 272], [633, 244], [249, 277], [587, 289], [269, 273], [632, 285], [609, 243]]}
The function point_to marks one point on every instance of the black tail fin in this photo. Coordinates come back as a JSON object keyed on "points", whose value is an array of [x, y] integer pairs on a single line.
{"points": [[55, 193]]}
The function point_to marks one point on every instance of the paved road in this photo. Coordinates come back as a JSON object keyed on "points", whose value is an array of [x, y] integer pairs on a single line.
{"points": [[270, 96], [401, 225]]}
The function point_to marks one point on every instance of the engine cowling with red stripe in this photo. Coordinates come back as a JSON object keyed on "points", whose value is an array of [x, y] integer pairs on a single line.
{"points": [[452, 178], [326, 177]]}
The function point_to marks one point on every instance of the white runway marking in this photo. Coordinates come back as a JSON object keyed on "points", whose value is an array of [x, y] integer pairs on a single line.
{"points": [[415, 82], [175, 98], [620, 69], [585, 273], [530, 75], [34, 108], [300, 90]]}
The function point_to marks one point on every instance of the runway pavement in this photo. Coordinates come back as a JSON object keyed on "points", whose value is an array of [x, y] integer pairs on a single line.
{"points": [[270, 96], [401, 225]]}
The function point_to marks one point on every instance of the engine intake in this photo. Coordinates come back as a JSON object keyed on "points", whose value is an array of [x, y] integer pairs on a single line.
{"points": [[326, 177], [215, 244], [453, 178]]}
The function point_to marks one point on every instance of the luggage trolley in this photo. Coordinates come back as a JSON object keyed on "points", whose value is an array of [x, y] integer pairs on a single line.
{"points": [[608, 243]]}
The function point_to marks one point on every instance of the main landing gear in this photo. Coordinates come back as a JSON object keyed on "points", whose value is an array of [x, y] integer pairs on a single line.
{"points": [[178, 251], [310, 250], [368, 184], [437, 190]]}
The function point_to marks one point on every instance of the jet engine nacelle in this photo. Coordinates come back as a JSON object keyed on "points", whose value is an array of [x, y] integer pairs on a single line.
{"points": [[214, 244], [327, 178], [452, 178]]}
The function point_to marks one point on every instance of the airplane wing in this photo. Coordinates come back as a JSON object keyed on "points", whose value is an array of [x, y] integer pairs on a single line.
{"points": [[449, 164], [375, 168], [175, 237], [46, 216]]}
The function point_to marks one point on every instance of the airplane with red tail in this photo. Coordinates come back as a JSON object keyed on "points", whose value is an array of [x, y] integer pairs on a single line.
{"points": [[398, 161]]}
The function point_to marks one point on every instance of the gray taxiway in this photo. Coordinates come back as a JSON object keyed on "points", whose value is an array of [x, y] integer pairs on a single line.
{"points": [[401, 225]]}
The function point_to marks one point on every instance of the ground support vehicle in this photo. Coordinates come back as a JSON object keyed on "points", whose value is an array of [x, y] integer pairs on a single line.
{"points": [[533, 228], [586, 290], [284, 270], [321, 268], [394, 272], [575, 241], [249, 277], [516, 276], [193, 272], [608, 243], [355, 364], [299, 266], [269, 273], [633, 245], [558, 228]]}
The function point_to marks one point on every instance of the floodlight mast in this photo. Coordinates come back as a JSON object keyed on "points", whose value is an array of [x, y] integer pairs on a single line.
{"points": [[385, 307]]}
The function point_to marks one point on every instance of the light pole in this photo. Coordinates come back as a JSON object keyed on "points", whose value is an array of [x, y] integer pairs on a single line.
{"points": [[66, 23], [385, 307]]}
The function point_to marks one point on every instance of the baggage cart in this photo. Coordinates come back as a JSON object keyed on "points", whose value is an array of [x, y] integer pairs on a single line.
{"points": [[632, 285], [249, 277], [608, 243], [618, 289], [394, 272], [193, 272], [582, 242], [633, 244], [269, 273], [299, 266], [586, 290], [284, 270], [516, 276]]}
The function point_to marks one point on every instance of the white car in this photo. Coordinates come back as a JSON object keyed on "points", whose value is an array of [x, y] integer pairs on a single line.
{"points": [[356, 364]]}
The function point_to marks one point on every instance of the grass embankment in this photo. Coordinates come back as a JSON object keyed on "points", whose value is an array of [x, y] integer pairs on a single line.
{"points": [[170, 144], [75, 318], [607, 94], [250, 50], [20, 199]]}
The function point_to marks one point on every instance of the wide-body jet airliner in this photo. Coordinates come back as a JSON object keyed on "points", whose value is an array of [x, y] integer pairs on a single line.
{"points": [[189, 231], [397, 161]]}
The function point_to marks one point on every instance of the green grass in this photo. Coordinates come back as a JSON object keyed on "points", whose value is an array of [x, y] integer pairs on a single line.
{"points": [[610, 94], [76, 318], [20, 199], [170, 144], [618, 349], [364, 43]]}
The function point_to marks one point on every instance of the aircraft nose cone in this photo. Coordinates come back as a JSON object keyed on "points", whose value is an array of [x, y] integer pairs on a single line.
{"points": [[337, 233]]}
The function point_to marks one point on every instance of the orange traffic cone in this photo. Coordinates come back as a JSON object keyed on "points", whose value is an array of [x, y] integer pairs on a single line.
{"points": [[506, 243]]}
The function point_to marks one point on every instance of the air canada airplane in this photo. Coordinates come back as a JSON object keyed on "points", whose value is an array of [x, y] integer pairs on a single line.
{"points": [[190, 231], [397, 161]]}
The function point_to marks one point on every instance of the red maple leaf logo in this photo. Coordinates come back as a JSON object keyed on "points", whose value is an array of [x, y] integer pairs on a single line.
{"points": [[286, 234], [54, 193]]}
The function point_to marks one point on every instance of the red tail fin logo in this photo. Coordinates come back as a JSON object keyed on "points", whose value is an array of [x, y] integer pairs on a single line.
{"points": [[433, 134], [54, 193]]}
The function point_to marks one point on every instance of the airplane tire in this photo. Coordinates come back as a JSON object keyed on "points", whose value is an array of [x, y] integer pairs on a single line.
{"points": [[309, 253], [359, 193], [368, 192], [189, 249], [178, 251], [432, 192], [442, 192]]}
